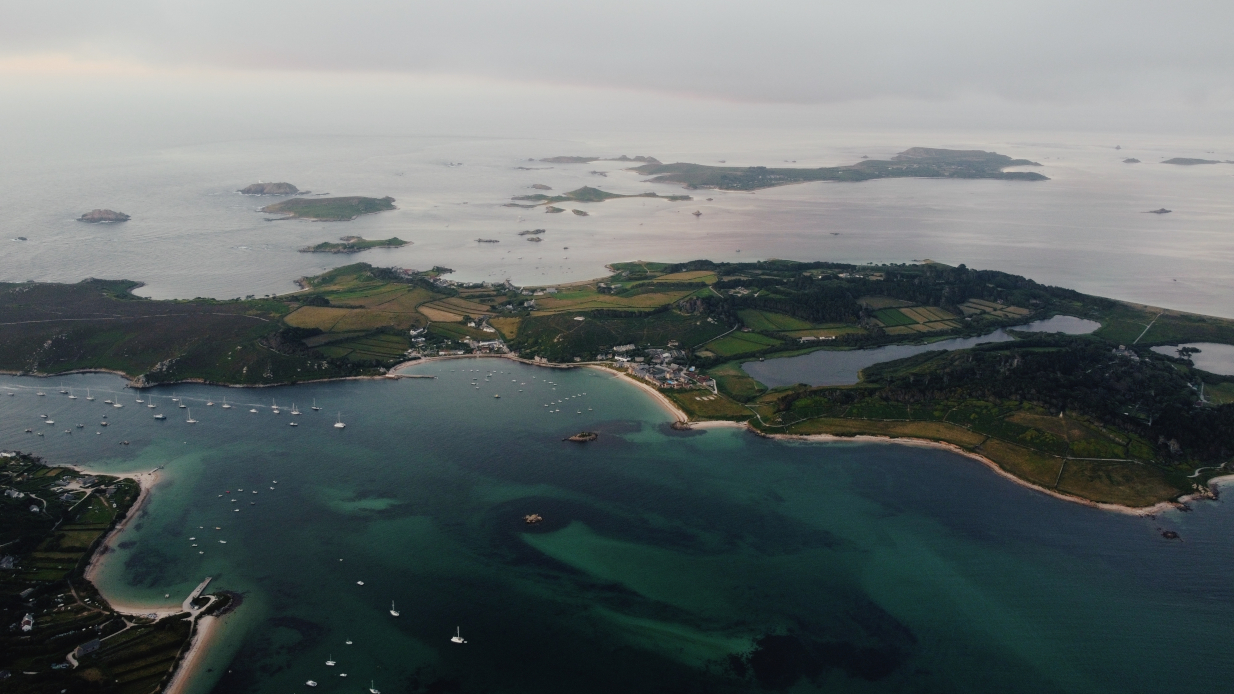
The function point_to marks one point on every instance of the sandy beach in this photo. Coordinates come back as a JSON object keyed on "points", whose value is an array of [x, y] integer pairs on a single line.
{"points": [[204, 635]]}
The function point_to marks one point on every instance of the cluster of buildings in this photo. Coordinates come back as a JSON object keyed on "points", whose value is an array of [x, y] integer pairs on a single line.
{"points": [[669, 375]]}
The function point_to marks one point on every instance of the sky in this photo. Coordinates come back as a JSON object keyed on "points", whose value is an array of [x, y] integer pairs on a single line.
{"points": [[795, 51]]}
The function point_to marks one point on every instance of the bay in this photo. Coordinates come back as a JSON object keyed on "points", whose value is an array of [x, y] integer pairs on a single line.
{"points": [[662, 558]]}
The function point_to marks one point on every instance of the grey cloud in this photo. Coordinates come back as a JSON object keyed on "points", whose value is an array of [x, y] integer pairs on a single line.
{"points": [[811, 52]]}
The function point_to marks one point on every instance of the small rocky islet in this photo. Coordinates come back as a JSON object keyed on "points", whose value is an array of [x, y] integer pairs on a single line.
{"points": [[100, 216], [281, 188]]}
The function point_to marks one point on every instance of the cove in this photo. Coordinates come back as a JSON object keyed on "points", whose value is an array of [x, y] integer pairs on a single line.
{"points": [[841, 367]]}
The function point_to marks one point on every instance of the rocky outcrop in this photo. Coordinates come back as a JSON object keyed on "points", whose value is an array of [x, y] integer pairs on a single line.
{"points": [[270, 189], [103, 216]]}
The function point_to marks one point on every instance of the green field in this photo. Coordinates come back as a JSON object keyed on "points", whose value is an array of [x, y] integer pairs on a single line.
{"points": [[771, 322], [741, 343], [891, 317]]}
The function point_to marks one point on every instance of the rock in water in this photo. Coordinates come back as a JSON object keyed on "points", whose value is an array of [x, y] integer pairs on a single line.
{"points": [[270, 189], [583, 437], [96, 216]]}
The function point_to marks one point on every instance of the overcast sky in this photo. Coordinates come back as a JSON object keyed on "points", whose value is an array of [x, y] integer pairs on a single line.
{"points": [[810, 51]]}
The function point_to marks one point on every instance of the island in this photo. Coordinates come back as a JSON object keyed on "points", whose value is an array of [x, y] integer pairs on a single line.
{"points": [[271, 189], [917, 162], [588, 160], [1160, 210], [342, 209], [1099, 418], [1184, 161], [354, 244], [1131, 160], [103, 217], [55, 524], [590, 194], [581, 213]]}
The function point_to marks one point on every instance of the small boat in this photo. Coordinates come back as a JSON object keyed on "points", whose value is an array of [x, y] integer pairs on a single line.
{"points": [[330, 660], [81, 426], [359, 583], [339, 424], [274, 407], [43, 416], [222, 542], [372, 688], [348, 642], [310, 683], [253, 410], [71, 396], [140, 400], [102, 424], [181, 405], [116, 404], [174, 398], [225, 405], [62, 390], [160, 416], [294, 424], [294, 411], [458, 638], [342, 674], [496, 396], [190, 420], [209, 403], [315, 407], [50, 422], [393, 611], [105, 402], [88, 396]]}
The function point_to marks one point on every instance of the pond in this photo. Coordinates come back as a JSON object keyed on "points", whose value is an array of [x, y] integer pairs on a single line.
{"points": [[841, 368]]}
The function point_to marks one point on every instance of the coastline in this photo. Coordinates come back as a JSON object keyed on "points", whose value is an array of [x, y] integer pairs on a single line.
{"points": [[205, 632], [146, 481]]}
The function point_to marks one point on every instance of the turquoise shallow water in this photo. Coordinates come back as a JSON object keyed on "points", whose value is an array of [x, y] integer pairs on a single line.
{"points": [[701, 562]]}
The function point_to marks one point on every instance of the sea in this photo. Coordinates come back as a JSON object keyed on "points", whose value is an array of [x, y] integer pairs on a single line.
{"points": [[703, 561], [192, 234]]}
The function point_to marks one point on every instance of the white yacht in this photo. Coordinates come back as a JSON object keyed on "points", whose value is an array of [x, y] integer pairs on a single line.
{"points": [[372, 688], [190, 420], [181, 405], [71, 396], [253, 410], [294, 411], [339, 424], [225, 405], [330, 660], [458, 637], [315, 407], [62, 390], [140, 400], [116, 404], [393, 611], [294, 424], [160, 416], [88, 396], [310, 683], [274, 406]]}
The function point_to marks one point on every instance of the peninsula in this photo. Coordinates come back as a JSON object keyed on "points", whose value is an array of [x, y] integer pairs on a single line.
{"points": [[103, 216], [1098, 417], [918, 162], [54, 525], [271, 189], [354, 244], [342, 209]]}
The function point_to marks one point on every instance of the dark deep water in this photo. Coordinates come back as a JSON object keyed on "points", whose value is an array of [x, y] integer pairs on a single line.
{"points": [[708, 561]]}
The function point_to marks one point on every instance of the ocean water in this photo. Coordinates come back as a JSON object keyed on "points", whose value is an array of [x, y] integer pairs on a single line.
{"points": [[843, 367], [193, 235], [667, 561]]}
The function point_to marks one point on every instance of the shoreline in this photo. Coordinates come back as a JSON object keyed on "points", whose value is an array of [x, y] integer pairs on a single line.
{"points": [[205, 632]]}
